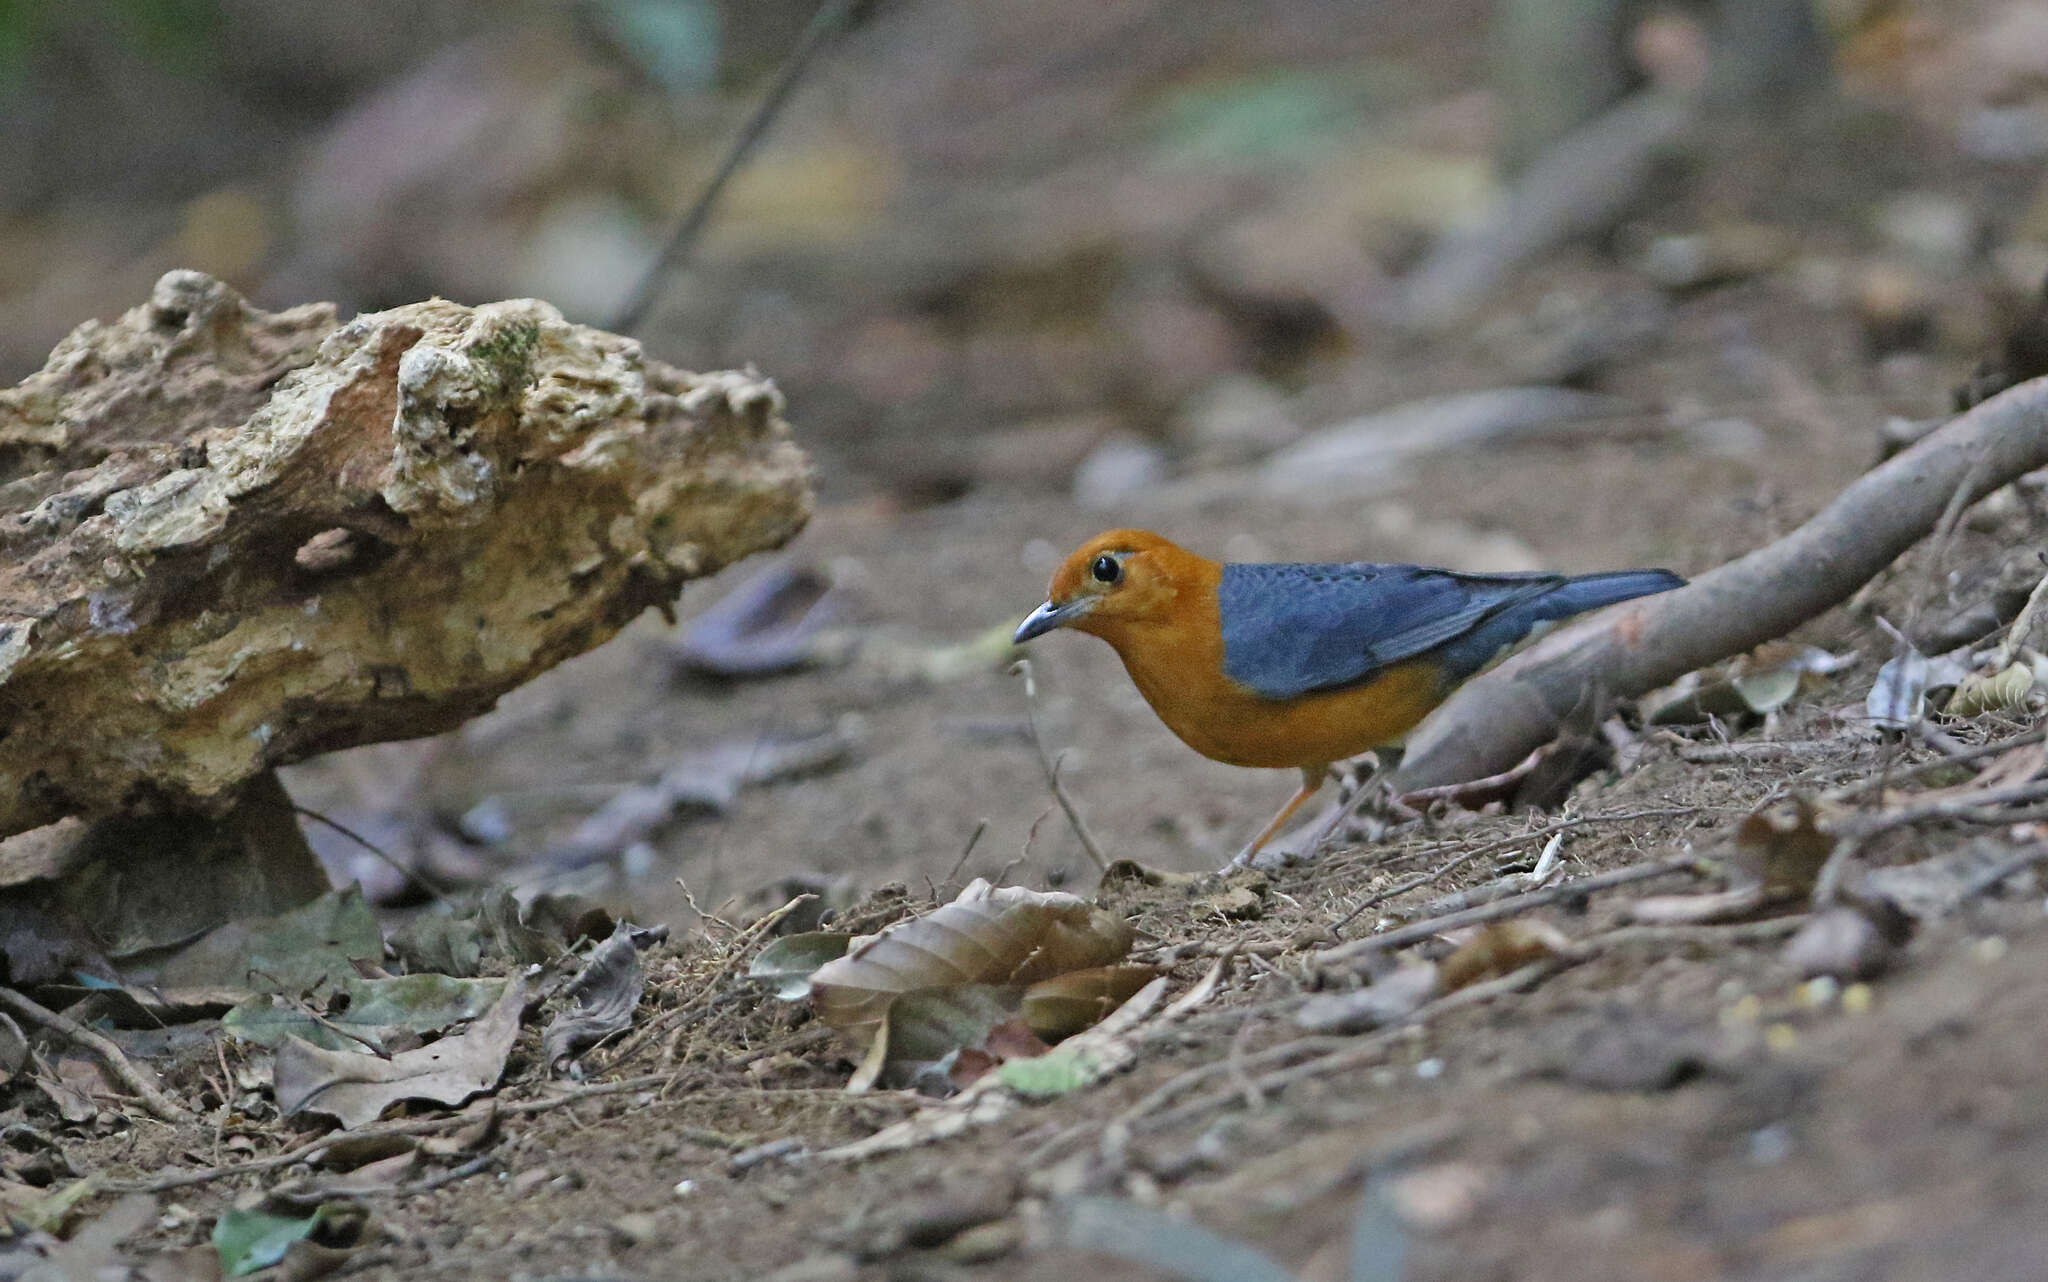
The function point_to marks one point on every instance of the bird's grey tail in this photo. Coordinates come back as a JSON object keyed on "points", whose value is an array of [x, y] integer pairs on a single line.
{"points": [[1591, 591], [1480, 648]]}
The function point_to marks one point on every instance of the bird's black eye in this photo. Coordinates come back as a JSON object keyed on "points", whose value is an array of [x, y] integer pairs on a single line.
{"points": [[1106, 569]]}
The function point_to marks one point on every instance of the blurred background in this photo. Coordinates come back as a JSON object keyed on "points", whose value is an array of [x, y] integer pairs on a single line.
{"points": [[1536, 282]]}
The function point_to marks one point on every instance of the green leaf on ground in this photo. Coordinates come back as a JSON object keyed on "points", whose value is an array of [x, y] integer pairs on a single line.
{"points": [[359, 1012], [255, 1239], [293, 952], [788, 962]]}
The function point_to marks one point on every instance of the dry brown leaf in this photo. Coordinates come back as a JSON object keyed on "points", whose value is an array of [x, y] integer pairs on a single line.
{"points": [[1010, 936], [1785, 851], [1066, 1004], [356, 1087], [1499, 948], [2006, 690]]}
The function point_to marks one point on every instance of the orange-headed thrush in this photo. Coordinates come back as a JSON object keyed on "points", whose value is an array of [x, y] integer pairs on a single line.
{"points": [[1302, 665]]}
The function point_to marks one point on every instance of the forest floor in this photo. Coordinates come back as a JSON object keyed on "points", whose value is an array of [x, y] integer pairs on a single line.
{"points": [[1612, 1102]]}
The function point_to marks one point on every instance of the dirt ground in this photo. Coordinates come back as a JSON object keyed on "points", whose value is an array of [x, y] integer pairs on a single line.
{"points": [[1673, 1107], [1671, 1110]]}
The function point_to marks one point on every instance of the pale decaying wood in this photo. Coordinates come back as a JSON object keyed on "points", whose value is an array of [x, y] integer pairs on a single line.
{"points": [[230, 540], [1499, 718]]}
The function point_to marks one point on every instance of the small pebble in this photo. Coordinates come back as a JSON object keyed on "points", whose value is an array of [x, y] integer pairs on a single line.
{"points": [[1857, 999], [1820, 993], [1781, 1037], [1989, 949], [1430, 1069], [1769, 1145]]}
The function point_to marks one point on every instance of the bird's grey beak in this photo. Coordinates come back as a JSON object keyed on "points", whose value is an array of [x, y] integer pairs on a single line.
{"points": [[1049, 616]]}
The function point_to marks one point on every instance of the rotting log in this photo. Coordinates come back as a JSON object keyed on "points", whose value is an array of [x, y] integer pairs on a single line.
{"points": [[233, 540]]}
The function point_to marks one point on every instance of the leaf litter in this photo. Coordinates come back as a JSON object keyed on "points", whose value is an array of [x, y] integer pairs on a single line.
{"points": [[727, 1040], [355, 1087]]}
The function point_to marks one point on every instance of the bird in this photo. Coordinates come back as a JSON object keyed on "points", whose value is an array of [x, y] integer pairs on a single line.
{"points": [[1302, 665]]}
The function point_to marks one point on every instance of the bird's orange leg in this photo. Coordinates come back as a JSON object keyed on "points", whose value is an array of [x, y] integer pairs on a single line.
{"points": [[1311, 783]]}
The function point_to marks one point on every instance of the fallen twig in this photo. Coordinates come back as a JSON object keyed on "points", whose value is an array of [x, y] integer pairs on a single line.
{"points": [[2018, 861], [1982, 808], [1342, 1053], [1741, 932], [1499, 718], [1345, 869], [1766, 750], [1052, 768], [159, 1105], [1498, 910], [1875, 782], [455, 1121]]}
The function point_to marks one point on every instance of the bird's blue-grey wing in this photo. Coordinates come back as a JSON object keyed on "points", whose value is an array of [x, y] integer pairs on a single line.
{"points": [[1294, 629]]}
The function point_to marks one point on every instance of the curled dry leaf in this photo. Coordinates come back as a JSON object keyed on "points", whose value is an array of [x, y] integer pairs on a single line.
{"points": [[356, 1087], [1903, 684], [605, 991], [1066, 1004], [1010, 938], [2004, 691], [1756, 683]]}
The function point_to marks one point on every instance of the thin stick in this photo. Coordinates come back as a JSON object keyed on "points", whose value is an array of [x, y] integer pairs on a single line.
{"points": [[1905, 774], [1356, 1052], [1498, 909], [826, 23], [1767, 750], [1052, 768], [1998, 872], [453, 1121], [1741, 932], [109, 1055], [973, 840], [1504, 843], [1978, 809], [1945, 533], [413, 875]]}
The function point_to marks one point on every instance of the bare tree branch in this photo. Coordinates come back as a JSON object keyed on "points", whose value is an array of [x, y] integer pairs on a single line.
{"points": [[1501, 717]]}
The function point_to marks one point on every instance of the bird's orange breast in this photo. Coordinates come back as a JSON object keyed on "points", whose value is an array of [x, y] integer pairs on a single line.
{"points": [[1177, 664]]}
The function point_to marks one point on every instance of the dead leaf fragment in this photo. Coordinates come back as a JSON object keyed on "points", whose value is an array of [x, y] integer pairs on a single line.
{"points": [[1500, 948], [2003, 691], [356, 1087], [789, 962], [1009, 938], [606, 991], [292, 952], [1785, 851], [1897, 698], [1753, 684], [1066, 1004]]}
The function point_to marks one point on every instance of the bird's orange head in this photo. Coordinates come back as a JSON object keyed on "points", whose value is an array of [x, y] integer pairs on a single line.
{"points": [[1117, 580]]}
